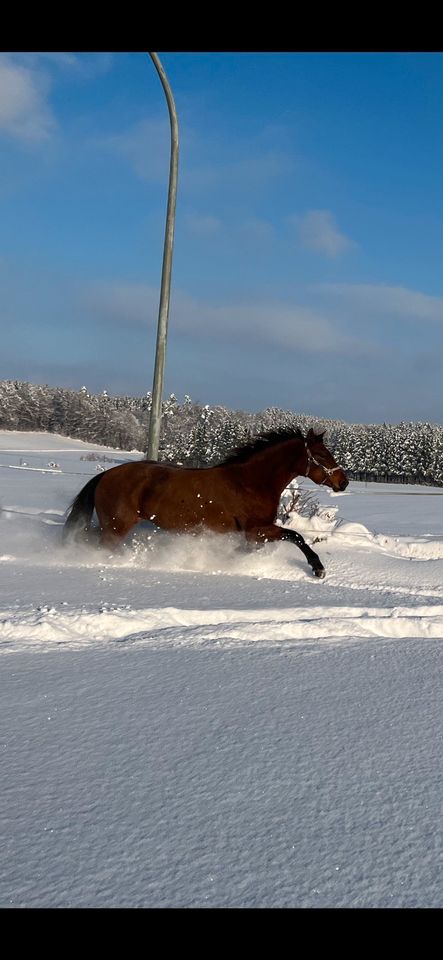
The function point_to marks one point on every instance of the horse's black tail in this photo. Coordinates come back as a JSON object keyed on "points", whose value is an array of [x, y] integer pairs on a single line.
{"points": [[78, 521]]}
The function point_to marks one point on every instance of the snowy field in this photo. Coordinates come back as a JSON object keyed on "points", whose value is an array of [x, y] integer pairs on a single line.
{"points": [[189, 724]]}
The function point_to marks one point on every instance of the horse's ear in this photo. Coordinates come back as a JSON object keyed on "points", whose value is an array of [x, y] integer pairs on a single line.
{"points": [[315, 435]]}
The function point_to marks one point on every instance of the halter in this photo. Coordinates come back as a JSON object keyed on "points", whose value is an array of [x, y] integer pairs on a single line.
{"points": [[328, 470]]}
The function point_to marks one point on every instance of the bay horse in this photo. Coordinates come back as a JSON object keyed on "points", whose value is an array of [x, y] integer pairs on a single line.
{"points": [[241, 494]]}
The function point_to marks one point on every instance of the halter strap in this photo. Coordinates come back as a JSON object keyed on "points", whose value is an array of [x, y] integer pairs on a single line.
{"points": [[328, 470]]}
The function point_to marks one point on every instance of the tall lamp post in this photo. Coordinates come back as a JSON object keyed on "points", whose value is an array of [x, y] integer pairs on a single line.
{"points": [[163, 312]]}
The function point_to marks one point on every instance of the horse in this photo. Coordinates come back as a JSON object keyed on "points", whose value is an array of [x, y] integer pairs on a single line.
{"points": [[240, 494]]}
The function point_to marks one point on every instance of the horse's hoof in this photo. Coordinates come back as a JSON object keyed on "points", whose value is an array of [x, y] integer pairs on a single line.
{"points": [[320, 573]]}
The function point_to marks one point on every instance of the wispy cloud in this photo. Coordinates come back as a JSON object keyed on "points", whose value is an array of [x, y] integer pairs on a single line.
{"points": [[25, 112], [255, 170], [257, 231], [87, 65], [317, 231], [146, 147], [292, 326], [204, 164], [384, 301], [203, 226]]}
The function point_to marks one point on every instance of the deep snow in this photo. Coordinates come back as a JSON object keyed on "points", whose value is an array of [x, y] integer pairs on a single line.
{"points": [[190, 724]]}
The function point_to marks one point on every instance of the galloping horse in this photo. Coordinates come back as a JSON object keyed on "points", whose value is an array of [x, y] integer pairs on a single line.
{"points": [[240, 494]]}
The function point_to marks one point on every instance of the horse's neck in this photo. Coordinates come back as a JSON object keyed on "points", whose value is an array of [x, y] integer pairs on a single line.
{"points": [[275, 467]]}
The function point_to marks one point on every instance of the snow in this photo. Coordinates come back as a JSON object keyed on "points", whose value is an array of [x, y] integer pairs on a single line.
{"points": [[191, 724]]}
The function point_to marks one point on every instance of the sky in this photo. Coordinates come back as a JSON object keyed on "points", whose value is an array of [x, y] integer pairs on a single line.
{"points": [[187, 724], [309, 227]]}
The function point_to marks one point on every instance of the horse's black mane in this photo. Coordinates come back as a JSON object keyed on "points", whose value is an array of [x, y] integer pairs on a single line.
{"points": [[243, 453]]}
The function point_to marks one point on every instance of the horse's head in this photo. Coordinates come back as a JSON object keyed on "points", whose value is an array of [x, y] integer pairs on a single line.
{"points": [[320, 464]]}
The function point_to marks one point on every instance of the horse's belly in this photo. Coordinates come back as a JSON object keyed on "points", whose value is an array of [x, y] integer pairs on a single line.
{"points": [[184, 518]]}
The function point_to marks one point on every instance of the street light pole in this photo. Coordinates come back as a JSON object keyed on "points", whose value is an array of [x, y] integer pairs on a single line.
{"points": [[163, 313]]}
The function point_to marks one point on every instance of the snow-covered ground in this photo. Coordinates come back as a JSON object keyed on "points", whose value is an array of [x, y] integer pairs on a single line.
{"points": [[190, 724]]}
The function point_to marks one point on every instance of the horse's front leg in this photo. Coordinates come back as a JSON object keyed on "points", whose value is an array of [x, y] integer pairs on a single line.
{"points": [[272, 532]]}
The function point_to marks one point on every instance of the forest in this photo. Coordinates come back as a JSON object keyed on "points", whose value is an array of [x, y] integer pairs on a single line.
{"points": [[197, 434]]}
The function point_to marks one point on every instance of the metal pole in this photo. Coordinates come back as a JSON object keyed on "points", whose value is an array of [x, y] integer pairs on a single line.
{"points": [[163, 313]]}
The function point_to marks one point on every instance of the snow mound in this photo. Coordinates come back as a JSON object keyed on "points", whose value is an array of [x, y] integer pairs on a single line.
{"points": [[46, 627]]}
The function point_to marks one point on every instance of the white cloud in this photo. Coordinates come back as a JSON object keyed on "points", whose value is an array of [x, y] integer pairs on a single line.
{"points": [[126, 304], [253, 171], [203, 165], [25, 113], [146, 147], [87, 65], [342, 319], [317, 231], [386, 301], [294, 327], [258, 231], [203, 226]]}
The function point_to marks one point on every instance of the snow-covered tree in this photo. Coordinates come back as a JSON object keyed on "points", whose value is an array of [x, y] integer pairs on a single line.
{"points": [[197, 434]]}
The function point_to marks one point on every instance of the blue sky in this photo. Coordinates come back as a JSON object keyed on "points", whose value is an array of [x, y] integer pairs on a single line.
{"points": [[307, 269]]}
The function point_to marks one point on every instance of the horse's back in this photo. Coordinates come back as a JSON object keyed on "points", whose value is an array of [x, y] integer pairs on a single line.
{"points": [[173, 497]]}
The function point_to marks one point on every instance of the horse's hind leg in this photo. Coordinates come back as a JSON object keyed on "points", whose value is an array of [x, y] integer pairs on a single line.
{"points": [[272, 532], [115, 516], [113, 531]]}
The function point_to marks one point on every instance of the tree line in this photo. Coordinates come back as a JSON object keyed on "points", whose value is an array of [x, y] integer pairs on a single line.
{"points": [[196, 434]]}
